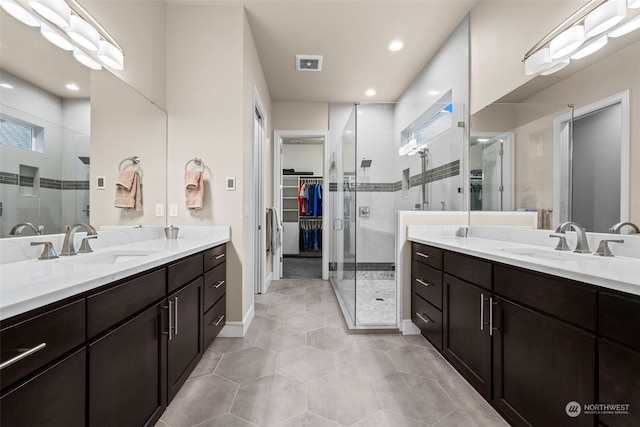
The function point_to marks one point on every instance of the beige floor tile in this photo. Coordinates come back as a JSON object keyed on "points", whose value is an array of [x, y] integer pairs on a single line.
{"points": [[306, 322], [342, 398], [324, 308], [260, 308], [414, 397], [293, 290], [305, 363], [418, 340], [270, 400], [264, 322], [226, 345], [207, 364], [330, 339], [308, 420], [420, 361], [365, 363], [287, 309], [271, 298], [227, 420], [282, 339], [388, 419], [306, 299], [465, 396], [246, 365], [460, 417], [380, 341]]}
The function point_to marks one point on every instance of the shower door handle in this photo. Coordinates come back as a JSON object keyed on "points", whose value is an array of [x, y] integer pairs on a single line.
{"points": [[335, 224]]}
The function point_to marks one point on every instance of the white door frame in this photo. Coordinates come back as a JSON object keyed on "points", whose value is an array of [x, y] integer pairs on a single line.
{"points": [[508, 159], [562, 156], [257, 232], [277, 192]]}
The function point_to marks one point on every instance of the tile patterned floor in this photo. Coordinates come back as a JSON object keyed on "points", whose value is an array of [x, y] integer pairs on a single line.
{"points": [[298, 367]]}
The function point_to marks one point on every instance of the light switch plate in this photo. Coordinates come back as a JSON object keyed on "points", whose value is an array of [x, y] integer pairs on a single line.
{"points": [[159, 209], [173, 209], [231, 183], [101, 182]]}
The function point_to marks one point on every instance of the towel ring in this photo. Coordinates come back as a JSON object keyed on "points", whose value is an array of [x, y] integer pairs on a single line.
{"points": [[197, 162], [135, 160]]}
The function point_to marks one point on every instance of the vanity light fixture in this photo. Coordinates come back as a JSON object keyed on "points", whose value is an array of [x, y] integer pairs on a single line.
{"points": [[626, 28], [396, 45], [6, 85], [20, 13], [56, 38], [566, 42], [592, 47], [83, 33], [86, 60], [66, 24], [553, 52], [370, 92], [55, 11], [604, 17]]}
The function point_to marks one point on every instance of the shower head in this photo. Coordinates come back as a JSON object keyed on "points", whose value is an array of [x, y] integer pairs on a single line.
{"points": [[365, 163]]}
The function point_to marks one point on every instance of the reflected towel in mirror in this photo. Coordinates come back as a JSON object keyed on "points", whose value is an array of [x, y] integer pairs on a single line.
{"points": [[194, 190], [128, 191]]}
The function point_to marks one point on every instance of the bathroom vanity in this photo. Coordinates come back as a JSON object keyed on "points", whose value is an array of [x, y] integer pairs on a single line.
{"points": [[516, 323], [116, 351]]}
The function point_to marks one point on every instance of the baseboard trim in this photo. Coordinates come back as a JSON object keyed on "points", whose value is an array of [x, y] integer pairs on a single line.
{"points": [[409, 328], [238, 329]]}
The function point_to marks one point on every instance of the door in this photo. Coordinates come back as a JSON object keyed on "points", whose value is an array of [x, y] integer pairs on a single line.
{"points": [[492, 187], [541, 365], [259, 210], [54, 398], [127, 373], [619, 380], [467, 336]]}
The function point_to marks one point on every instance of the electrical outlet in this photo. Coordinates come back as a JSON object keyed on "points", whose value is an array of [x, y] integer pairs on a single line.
{"points": [[448, 231], [159, 209], [173, 209]]}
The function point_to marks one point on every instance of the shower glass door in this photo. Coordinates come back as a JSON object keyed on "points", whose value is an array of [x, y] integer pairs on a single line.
{"points": [[342, 188]]}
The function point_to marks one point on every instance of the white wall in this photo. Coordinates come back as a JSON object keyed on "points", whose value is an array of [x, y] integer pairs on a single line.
{"points": [[303, 158], [300, 116]]}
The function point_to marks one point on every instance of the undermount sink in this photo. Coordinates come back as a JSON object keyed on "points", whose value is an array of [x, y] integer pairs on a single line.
{"points": [[113, 257], [551, 255]]}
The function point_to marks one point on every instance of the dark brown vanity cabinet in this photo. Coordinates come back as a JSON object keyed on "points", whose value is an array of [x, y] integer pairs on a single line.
{"points": [[426, 292]]}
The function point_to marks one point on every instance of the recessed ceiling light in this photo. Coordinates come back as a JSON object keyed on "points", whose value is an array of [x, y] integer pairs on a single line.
{"points": [[6, 85], [483, 139], [396, 45], [433, 93], [72, 86], [370, 92]]}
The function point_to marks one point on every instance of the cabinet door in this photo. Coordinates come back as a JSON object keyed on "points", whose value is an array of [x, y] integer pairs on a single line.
{"points": [[540, 365], [127, 382], [467, 339], [185, 345], [54, 398], [619, 382]]}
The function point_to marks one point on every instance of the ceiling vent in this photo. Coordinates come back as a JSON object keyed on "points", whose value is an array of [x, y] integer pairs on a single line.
{"points": [[309, 62]]}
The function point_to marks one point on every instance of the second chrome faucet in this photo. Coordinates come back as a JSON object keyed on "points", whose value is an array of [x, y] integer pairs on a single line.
{"points": [[582, 246], [68, 247]]}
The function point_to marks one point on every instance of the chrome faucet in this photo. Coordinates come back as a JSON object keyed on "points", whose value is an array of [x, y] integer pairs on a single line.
{"points": [[17, 229], [582, 246], [67, 246], [615, 229]]}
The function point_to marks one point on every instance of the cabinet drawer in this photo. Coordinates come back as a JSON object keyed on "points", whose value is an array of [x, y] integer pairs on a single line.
{"points": [[619, 318], [472, 270], [428, 319], [557, 297], [427, 282], [427, 255], [214, 256], [113, 305], [214, 320], [59, 330], [215, 285], [184, 271]]}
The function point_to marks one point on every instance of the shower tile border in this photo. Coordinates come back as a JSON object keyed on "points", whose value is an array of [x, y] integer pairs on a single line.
{"points": [[52, 184]]}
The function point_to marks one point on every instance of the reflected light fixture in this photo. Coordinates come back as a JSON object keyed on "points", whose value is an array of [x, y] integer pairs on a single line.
{"points": [[566, 42], [557, 67], [396, 45], [56, 38], [110, 55], [6, 85], [604, 17], [56, 11], [72, 86], [537, 62], [86, 60], [626, 28], [634, 4], [83, 33], [370, 92], [20, 13], [590, 48]]}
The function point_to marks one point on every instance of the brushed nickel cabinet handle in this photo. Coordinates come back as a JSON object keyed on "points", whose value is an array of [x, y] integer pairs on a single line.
{"points": [[423, 282], [482, 312], [170, 321], [425, 319], [175, 316], [218, 321], [219, 256], [217, 285], [423, 255], [23, 355]]}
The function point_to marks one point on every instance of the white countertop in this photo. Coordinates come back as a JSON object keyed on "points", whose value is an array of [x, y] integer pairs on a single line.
{"points": [[27, 285], [619, 273]]}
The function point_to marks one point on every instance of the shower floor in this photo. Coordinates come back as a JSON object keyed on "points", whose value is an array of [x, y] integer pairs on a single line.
{"points": [[375, 302]]}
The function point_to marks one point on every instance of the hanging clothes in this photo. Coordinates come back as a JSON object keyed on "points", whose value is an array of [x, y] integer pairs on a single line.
{"points": [[310, 234]]}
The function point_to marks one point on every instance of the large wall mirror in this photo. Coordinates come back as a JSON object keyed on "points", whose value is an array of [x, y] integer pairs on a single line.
{"points": [[564, 145], [61, 127]]}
